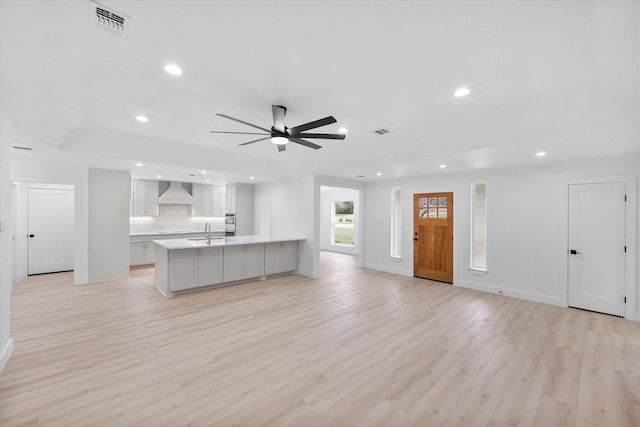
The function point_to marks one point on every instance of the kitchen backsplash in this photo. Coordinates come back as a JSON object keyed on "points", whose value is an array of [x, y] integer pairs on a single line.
{"points": [[173, 218]]}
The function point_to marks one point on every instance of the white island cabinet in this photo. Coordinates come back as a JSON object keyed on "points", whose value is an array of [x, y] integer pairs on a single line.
{"points": [[184, 265], [190, 268], [242, 262], [280, 257]]}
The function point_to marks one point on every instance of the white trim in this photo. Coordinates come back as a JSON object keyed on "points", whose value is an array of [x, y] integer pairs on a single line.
{"points": [[6, 353], [529, 296], [389, 270], [307, 273], [96, 282]]}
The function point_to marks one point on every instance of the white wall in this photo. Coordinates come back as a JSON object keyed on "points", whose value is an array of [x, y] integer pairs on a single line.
{"points": [[328, 196], [293, 213], [27, 172], [527, 211], [6, 342], [109, 193]]}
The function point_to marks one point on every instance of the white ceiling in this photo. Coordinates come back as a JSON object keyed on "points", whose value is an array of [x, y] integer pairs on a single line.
{"points": [[555, 76]]}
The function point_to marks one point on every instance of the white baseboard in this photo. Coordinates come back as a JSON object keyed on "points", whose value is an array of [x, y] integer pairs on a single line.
{"points": [[6, 353], [307, 273], [391, 270], [104, 281], [529, 296]]}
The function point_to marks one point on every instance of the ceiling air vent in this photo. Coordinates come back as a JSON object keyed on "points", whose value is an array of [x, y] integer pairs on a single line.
{"points": [[108, 19], [381, 131]]}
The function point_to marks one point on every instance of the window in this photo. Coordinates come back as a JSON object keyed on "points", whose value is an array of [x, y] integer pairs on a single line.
{"points": [[479, 225], [396, 233], [342, 224]]}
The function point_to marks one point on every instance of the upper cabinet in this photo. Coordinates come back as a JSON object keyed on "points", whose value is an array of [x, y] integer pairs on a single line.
{"points": [[144, 197], [209, 200]]}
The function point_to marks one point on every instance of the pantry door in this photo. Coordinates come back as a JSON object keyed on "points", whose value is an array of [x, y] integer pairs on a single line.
{"points": [[50, 230], [433, 236]]}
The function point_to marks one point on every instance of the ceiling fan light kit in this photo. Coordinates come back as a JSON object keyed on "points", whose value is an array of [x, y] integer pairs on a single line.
{"points": [[281, 135]]}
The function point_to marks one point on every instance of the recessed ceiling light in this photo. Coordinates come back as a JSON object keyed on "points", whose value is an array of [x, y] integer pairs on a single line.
{"points": [[462, 91], [252, 178], [173, 69], [541, 154], [158, 176], [443, 166], [379, 173], [142, 118], [208, 180], [343, 130], [138, 164], [203, 172]]}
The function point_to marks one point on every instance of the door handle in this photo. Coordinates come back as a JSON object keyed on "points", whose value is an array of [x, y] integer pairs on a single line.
{"points": [[415, 239], [574, 252], [31, 235]]}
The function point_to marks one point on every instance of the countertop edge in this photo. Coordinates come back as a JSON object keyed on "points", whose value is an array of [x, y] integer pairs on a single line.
{"points": [[229, 241]]}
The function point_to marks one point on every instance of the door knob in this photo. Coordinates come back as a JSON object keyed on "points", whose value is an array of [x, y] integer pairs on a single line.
{"points": [[574, 252], [415, 239], [31, 235]]}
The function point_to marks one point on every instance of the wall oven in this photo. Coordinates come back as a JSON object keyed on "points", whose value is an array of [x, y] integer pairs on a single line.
{"points": [[230, 224]]}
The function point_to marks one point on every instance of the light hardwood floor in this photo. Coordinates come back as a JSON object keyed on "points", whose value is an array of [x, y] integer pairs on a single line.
{"points": [[355, 347]]}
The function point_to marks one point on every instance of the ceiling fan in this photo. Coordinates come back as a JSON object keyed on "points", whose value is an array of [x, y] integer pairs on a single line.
{"points": [[281, 135]]}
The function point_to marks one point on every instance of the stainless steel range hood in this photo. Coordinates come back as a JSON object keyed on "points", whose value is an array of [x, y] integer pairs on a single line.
{"points": [[175, 195]]}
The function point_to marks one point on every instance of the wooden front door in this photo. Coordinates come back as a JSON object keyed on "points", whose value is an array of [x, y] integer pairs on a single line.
{"points": [[433, 236]]}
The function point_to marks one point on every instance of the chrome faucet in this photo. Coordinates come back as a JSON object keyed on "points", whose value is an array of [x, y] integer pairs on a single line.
{"points": [[207, 229]]}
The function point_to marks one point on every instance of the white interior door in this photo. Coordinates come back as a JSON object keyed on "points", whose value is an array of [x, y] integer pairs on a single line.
{"points": [[49, 230], [597, 247]]}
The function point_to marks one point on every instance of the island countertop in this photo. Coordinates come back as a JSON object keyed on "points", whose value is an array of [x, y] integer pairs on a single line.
{"points": [[223, 241]]}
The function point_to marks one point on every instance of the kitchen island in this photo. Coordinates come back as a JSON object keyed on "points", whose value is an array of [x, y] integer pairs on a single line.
{"points": [[187, 265]]}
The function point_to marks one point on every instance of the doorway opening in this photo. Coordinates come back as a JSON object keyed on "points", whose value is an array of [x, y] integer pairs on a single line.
{"points": [[339, 220]]}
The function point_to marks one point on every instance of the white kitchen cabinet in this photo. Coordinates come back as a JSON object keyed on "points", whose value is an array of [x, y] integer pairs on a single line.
{"points": [[191, 268], [144, 197], [209, 200], [243, 262], [240, 201], [280, 257], [142, 251], [230, 199]]}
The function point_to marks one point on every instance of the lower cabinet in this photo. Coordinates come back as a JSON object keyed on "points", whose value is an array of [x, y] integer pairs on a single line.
{"points": [[191, 268], [243, 262], [280, 257], [142, 252]]}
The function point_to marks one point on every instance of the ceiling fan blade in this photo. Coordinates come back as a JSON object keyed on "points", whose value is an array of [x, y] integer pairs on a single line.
{"points": [[312, 125], [278, 117], [320, 135], [237, 133], [243, 122], [305, 143], [281, 147], [255, 140]]}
